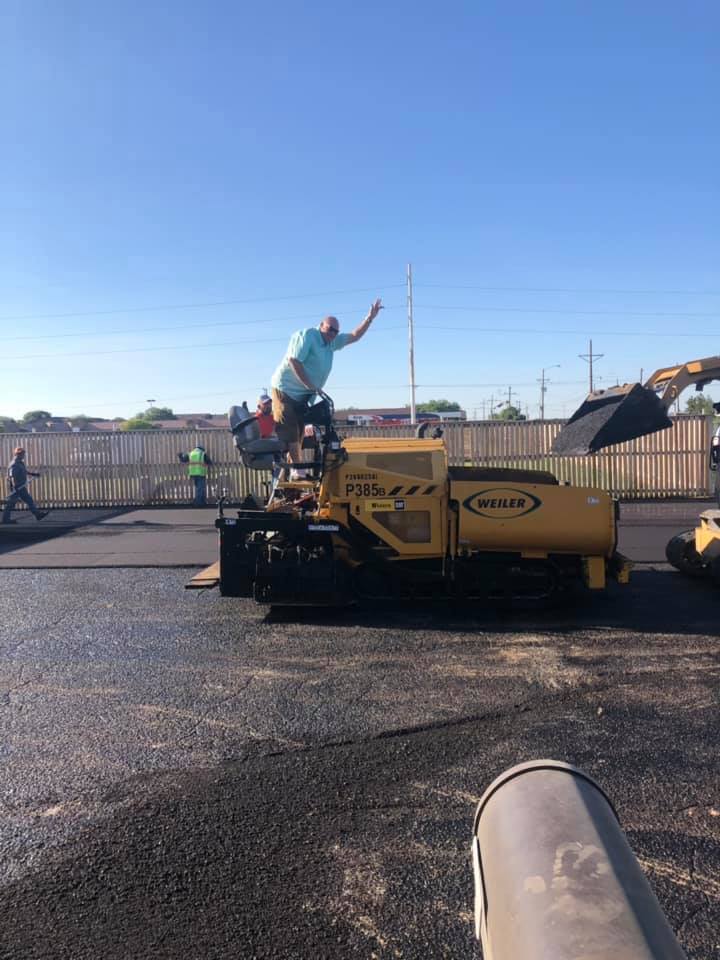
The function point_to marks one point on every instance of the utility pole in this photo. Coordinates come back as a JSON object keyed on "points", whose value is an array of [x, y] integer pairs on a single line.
{"points": [[543, 388], [411, 343], [588, 358], [509, 400]]}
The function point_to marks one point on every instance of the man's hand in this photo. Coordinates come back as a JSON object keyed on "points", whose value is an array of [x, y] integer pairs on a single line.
{"points": [[374, 310]]}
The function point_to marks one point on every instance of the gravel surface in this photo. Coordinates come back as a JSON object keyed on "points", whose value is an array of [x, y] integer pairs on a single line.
{"points": [[187, 776]]}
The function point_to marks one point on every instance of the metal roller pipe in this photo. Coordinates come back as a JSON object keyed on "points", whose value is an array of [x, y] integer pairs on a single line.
{"points": [[555, 878]]}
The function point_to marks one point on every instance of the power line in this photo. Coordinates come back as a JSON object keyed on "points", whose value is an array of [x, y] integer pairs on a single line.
{"points": [[310, 316], [501, 383], [380, 330], [229, 392], [164, 348], [553, 310], [133, 332], [545, 330], [171, 327], [686, 293], [197, 306]]}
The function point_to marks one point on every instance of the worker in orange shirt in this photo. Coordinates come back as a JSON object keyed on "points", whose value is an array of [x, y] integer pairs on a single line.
{"points": [[264, 416]]}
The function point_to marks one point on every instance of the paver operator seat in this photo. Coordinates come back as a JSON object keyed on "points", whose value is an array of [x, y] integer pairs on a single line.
{"points": [[256, 453]]}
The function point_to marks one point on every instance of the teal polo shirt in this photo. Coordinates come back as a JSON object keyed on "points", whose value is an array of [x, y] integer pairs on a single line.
{"points": [[309, 347]]}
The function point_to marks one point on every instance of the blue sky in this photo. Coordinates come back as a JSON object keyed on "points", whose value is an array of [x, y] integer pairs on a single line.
{"points": [[550, 170]]}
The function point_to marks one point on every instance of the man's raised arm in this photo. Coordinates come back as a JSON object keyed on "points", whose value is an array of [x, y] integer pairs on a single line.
{"points": [[362, 328]]}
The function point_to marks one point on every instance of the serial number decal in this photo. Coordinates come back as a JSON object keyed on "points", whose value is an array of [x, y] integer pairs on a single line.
{"points": [[324, 527], [502, 503], [364, 490]]}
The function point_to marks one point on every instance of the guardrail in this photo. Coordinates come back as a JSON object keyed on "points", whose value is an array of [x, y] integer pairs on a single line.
{"points": [[130, 469]]}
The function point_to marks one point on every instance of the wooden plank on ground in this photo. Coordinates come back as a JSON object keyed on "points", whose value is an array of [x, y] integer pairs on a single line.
{"points": [[206, 579]]}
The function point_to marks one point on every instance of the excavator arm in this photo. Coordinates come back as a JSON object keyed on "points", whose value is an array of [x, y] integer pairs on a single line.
{"points": [[607, 417], [669, 382]]}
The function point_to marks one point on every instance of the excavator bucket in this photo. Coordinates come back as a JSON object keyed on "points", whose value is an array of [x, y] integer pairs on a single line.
{"points": [[611, 416]]}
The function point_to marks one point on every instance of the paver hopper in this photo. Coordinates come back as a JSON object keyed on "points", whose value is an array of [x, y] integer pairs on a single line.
{"points": [[607, 417]]}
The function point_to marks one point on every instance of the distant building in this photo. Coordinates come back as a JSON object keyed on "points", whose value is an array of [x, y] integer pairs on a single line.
{"points": [[393, 415], [51, 425], [183, 421]]}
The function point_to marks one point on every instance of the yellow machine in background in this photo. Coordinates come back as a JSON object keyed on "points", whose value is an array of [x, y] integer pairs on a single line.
{"points": [[386, 518], [696, 552], [621, 413]]}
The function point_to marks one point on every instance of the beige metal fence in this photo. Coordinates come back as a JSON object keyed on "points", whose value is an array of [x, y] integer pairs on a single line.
{"points": [[672, 463], [126, 469]]}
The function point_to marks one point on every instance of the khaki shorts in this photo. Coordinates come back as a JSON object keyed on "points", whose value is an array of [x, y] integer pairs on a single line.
{"points": [[288, 415]]}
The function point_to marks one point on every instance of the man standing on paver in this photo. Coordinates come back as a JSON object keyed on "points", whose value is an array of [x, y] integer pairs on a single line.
{"points": [[198, 462], [302, 374], [18, 475]]}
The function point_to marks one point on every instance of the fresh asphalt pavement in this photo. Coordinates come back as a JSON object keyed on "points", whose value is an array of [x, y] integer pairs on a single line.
{"points": [[126, 537], [190, 776]]}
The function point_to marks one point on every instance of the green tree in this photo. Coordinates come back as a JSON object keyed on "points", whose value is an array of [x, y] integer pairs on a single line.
{"points": [[699, 404], [509, 412], [435, 406], [157, 413], [36, 415], [136, 423], [7, 425], [81, 421]]}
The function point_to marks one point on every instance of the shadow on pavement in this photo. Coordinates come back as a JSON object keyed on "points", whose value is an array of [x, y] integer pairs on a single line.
{"points": [[655, 600], [58, 522]]}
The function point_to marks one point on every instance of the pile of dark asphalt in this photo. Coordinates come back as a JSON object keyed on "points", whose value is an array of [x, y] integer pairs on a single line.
{"points": [[346, 837], [577, 437], [610, 419]]}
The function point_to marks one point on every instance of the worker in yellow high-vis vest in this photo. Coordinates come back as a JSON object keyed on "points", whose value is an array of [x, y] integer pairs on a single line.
{"points": [[198, 462]]}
